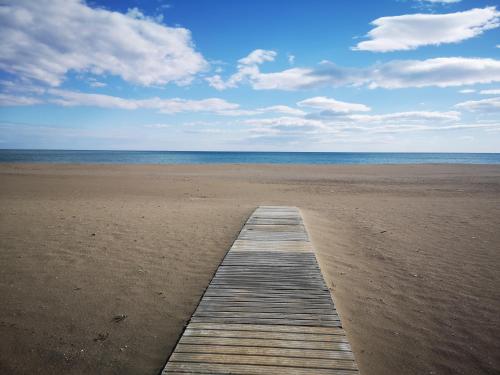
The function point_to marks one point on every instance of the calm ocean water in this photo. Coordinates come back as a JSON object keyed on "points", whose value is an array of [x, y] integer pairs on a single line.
{"points": [[209, 157]]}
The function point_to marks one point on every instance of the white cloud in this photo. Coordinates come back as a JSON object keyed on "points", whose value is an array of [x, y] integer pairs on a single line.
{"points": [[21, 87], [484, 105], [440, 72], [437, 72], [467, 91], [97, 84], [288, 123], [257, 57], [159, 126], [290, 79], [9, 100], [175, 105], [137, 14], [281, 109], [44, 40], [218, 83], [247, 69], [332, 105], [352, 126], [408, 117], [284, 109], [490, 92], [411, 31], [291, 59]]}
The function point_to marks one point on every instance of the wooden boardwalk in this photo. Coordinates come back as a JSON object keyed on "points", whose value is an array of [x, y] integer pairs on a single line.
{"points": [[267, 310]]}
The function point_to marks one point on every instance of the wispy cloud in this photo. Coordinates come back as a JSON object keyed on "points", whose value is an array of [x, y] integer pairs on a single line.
{"points": [[174, 105], [68, 98], [411, 31], [407, 117], [257, 57], [246, 69], [490, 92], [437, 72], [45, 40], [283, 109], [352, 126], [355, 127], [333, 106], [484, 105], [9, 100]]}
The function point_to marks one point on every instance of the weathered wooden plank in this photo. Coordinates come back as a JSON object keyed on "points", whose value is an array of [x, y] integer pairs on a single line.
{"points": [[258, 279], [270, 297], [264, 335], [284, 296], [275, 228], [270, 343], [266, 275], [341, 364], [266, 328], [274, 285], [268, 307], [218, 368], [266, 293], [266, 315], [261, 276], [267, 310], [266, 237], [255, 350], [296, 322], [264, 309], [277, 302], [275, 306], [272, 302], [275, 221]]}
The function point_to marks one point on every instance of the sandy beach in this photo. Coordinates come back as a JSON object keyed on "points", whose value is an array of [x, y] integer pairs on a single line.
{"points": [[102, 265]]}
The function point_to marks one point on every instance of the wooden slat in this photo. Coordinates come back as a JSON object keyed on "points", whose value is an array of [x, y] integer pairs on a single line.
{"points": [[342, 364], [264, 335], [265, 315], [269, 343], [294, 322], [265, 328], [218, 368], [267, 310], [253, 350]]}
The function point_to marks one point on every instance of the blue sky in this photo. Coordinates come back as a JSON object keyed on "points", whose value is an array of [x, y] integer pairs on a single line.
{"points": [[391, 75]]}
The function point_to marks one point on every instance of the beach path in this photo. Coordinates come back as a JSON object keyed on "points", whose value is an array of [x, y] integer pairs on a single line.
{"points": [[267, 310]]}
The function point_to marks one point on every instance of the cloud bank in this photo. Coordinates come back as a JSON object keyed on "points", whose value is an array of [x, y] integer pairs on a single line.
{"points": [[394, 74], [45, 40], [484, 105], [169, 106], [408, 32], [332, 105]]}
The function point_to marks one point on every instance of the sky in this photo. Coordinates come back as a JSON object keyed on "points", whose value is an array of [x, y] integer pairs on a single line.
{"points": [[310, 75]]}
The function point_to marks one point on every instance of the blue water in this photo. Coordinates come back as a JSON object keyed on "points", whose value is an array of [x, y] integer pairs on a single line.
{"points": [[209, 157]]}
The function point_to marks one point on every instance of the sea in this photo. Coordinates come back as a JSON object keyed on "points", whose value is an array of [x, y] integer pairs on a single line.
{"points": [[216, 157]]}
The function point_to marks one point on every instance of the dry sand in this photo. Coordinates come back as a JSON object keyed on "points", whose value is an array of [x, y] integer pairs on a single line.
{"points": [[412, 254]]}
